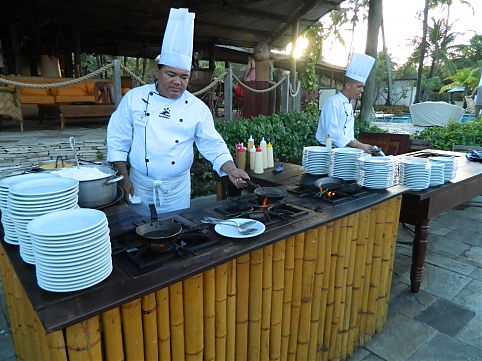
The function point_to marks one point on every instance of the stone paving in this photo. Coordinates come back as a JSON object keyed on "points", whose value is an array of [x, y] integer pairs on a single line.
{"points": [[442, 322]]}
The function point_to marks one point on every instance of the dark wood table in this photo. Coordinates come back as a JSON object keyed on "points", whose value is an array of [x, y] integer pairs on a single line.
{"points": [[419, 207]]}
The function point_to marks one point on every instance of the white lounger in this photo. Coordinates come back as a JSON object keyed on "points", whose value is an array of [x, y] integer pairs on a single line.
{"points": [[429, 114]]}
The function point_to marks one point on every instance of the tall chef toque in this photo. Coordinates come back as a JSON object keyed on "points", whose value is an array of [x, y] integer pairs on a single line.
{"points": [[359, 67], [176, 50]]}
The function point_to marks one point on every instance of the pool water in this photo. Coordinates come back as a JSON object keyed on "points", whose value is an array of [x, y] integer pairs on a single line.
{"points": [[406, 118]]}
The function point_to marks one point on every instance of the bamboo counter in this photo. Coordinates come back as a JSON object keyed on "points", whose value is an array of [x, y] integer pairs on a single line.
{"points": [[313, 292]]}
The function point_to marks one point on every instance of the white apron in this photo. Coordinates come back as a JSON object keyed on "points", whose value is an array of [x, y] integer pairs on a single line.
{"points": [[167, 195]]}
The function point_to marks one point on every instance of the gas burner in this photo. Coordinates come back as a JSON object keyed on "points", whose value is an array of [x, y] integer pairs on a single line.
{"points": [[138, 256], [235, 208], [261, 216]]}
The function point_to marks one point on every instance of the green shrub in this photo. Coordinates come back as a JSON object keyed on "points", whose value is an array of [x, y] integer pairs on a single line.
{"points": [[469, 133]]}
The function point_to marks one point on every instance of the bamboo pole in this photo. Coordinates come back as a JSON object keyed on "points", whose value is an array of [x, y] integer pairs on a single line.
{"points": [[209, 314], [287, 295], [359, 275], [25, 348], [176, 317], [363, 336], [231, 312], [8, 284], [221, 285], [132, 330], [296, 301], [242, 300], [41, 336], [56, 344], [340, 283], [34, 337], [317, 292], [255, 302], [330, 297], [351, 255], [83, 340], [376, 270], [267, 292], [193, 317], [277, 300], [308, 272], [112, 334], [149, 324], [163, 324]]}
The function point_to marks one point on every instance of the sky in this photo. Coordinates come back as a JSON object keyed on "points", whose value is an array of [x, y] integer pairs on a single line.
{"points": [[402, 25]]}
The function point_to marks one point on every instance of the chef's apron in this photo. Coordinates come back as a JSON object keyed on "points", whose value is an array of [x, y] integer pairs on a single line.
{"points": [[167, 195]]}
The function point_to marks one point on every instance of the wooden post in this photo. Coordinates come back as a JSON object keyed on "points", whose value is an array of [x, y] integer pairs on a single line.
{"points": [[293, 78], [228, 95], [117, 83]]}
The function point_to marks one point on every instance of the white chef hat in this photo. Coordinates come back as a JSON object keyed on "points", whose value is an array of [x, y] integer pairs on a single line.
{"points": [[359, 67], [176, 50]]}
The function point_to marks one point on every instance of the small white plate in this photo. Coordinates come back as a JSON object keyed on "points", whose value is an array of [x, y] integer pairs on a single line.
{"points": [[232, 231]]}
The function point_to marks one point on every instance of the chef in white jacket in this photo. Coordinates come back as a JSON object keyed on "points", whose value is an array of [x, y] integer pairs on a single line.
{"points": [[337, 119], [155, 126]]}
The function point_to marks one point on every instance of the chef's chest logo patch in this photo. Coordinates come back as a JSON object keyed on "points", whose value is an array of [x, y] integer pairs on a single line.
{"points": [[166, 113]]}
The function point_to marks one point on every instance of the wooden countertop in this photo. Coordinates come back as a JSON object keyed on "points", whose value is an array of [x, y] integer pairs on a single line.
{"points": [[58, 310]]}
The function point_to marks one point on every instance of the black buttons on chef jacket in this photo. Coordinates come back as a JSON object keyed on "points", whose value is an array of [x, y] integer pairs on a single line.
{"points": [[186, 101], [147, 114], [177, 141], [173, 162], [181, 120]]}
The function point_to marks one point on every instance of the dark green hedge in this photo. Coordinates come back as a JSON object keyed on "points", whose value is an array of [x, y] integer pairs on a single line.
{"points": [[469, 133]]}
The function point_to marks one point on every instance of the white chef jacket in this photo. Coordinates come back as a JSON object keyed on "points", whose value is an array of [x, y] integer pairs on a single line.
{"points": [[156, 134], [338, 120]]}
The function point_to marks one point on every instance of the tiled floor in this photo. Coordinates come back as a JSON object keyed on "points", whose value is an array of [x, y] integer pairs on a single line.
{"points": [[443, 322]]}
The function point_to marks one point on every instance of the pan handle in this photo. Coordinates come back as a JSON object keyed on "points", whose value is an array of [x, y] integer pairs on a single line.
{"points": [[252, 184], [153, 211]]}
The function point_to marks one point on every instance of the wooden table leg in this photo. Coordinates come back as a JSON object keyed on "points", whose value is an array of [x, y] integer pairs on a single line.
{"points": [[418, 254]]}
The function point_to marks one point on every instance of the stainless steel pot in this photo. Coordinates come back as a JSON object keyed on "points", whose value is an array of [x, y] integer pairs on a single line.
{"points": [[98, 192]]}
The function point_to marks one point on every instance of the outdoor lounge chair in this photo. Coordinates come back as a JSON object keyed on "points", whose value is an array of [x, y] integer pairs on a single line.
{"points": [[429, 114]]}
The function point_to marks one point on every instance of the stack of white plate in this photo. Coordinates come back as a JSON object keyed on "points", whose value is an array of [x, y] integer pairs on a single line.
{"points": [[377, 172], [450, 166], [32, 198], [415, 173], [72, 249], [316, 160], [437, 173], [343, 162], [10, 236]]}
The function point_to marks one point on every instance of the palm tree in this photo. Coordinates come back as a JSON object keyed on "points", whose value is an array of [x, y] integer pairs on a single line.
{"points": [[423, 47], [374, 21]]}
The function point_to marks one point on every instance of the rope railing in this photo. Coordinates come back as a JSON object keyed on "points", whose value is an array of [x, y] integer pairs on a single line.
{"points": [[298, 87], [132, 74], [258, 90], [59, 84], [211, 85]]}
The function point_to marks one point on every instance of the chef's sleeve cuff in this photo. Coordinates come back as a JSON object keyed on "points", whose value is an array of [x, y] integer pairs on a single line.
{"points": [[219, 162], [116, 156]]}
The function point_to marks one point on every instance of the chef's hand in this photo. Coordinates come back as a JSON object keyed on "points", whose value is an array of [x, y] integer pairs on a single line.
{"points": [[237, 176], [356, 144], [126, 183]]}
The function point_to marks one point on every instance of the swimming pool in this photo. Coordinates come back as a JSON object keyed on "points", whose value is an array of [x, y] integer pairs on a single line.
{"points": [[405, 118]]}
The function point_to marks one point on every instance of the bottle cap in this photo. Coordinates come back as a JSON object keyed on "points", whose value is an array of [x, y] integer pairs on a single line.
{"points": [[270, 145], [251, 138], [259, 149], [252, 149]]}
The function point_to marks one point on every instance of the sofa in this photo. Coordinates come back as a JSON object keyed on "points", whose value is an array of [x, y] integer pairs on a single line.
{"points": [[84, 99]]}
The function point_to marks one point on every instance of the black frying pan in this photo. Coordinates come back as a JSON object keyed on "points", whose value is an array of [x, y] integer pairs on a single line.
{"points": [[329, 183], [272, 193], [158, 230]]}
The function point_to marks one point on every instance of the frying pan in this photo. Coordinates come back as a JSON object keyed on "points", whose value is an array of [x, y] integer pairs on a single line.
{"points": [[350, 188], [158, 230], [272, 193], [328, 184]]}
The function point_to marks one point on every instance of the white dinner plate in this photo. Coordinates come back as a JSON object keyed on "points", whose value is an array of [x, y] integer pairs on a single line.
{"points": [[232, 231], [67, 222], [44, 187]]}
